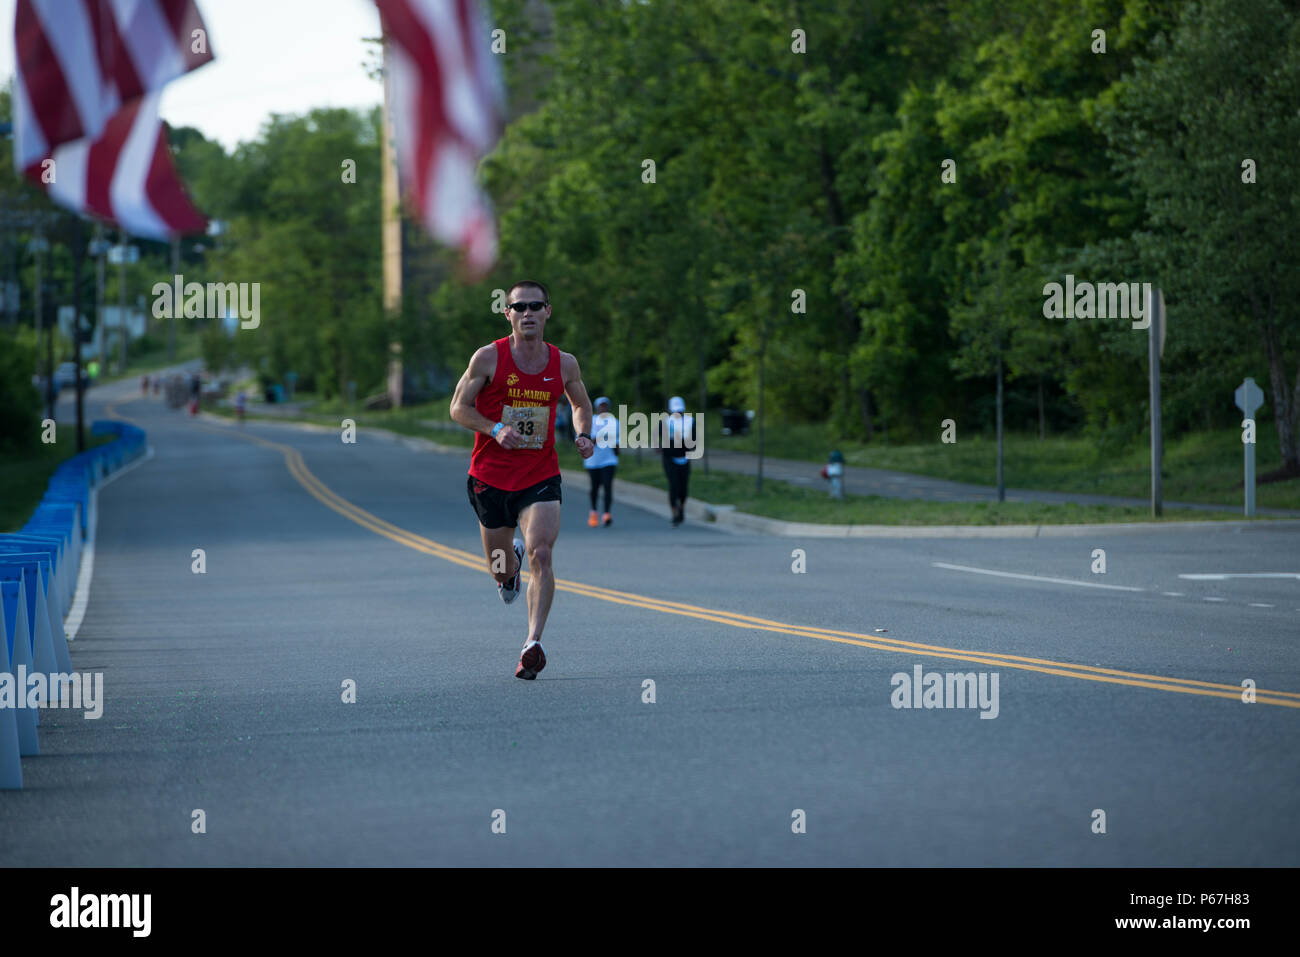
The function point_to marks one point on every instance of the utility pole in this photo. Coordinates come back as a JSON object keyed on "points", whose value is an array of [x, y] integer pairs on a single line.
{"points": [[121, 293], [1002, 488], [37, 246], [98, 246], [50, 321], [762, 356], [392, 241], [76, 330], [171, 325], [9, 284], [1155, 346], [704, 397], [1002, 312]]}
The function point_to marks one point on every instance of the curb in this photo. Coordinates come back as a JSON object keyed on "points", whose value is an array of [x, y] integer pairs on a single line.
{"points": [[652, 499], [726, 518]]}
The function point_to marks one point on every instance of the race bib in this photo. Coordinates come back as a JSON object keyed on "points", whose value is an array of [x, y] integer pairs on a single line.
{"points": [[529, 421]]}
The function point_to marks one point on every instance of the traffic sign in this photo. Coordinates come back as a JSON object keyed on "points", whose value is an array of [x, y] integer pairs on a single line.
{"points": [[1249, 397]]}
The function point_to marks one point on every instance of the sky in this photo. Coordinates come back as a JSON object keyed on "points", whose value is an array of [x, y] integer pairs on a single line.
{"points": [[271, 56]]}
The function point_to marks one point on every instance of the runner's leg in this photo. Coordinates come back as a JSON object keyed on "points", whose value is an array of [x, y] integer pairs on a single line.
{"points": [[608, 471], [672, 485], [540, 523], [498, 546]]}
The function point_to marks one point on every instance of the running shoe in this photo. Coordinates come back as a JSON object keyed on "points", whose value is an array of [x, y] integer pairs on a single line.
{"points": [[531, 661], [609, 519], [510, 592], [591, 520]]}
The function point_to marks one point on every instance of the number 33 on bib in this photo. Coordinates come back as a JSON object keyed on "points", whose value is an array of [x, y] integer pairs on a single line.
{"points": [[529, 422]]}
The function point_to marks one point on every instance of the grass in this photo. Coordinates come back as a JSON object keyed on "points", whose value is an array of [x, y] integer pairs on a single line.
{"points": [[795, 503], [428, 420], [1198, 468], [24, 476], [1202, 467]]}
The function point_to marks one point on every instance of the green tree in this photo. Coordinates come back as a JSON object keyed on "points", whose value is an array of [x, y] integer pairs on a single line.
{"points": [[1218, 91], [20, 402], [311, 239]]}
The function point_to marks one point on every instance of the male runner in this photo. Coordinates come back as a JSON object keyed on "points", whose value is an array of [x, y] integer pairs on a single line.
{"points": [[508, 396]]}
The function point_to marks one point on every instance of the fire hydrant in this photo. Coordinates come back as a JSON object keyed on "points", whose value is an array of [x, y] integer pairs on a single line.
{"points": [[834, 471]]}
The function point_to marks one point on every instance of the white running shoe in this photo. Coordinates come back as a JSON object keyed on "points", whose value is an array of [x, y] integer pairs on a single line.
{"points": [[510, 592]]}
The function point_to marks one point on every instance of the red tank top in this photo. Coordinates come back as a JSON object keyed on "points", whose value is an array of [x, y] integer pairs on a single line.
{"points": [[515, 469]]}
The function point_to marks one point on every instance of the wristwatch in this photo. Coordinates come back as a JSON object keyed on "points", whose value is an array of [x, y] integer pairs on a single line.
{"points": [[497, 428], [583, 435]]}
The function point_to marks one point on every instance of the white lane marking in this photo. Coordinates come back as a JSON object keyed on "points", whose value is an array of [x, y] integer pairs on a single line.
{"points": [[1034, 578], [1259, 604], [82, 597], [1173, 594], [1211, 598], [1225, 575]]}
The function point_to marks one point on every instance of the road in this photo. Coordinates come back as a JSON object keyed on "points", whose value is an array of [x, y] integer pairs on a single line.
{"points": [[327, 562]]}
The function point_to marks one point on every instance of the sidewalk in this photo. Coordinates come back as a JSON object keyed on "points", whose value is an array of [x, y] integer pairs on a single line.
{"points": [[866, 481], [725, 517]]}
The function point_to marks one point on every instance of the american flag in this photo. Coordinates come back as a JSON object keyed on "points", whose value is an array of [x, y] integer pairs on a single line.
{"points": [[448, 110], [86, 96]]}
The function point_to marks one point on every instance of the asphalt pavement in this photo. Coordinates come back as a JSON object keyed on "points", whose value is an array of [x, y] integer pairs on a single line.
{"points": [[774, 665]]}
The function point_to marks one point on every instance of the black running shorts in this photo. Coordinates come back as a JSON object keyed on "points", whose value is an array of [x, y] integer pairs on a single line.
{"points": [[496, 507]]}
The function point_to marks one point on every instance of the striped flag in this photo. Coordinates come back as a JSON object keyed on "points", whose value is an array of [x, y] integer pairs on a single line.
{"points": [[448, 107], [86, 123]]}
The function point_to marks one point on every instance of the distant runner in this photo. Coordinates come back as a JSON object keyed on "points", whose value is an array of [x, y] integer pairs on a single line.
{"points": [[508, 396], [678, 434], [603, 462]]}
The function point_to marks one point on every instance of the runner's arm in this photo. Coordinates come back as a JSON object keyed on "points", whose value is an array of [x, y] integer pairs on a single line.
{"points": [[481, 367], [581, 402]]}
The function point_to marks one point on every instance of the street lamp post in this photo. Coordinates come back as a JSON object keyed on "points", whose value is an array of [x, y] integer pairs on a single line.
{"points": [[76, 331], [37, 245], [98, 246]]}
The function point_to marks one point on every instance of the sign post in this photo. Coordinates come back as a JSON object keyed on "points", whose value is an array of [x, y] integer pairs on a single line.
{"points": [[1249, 397], [1155, 349]]}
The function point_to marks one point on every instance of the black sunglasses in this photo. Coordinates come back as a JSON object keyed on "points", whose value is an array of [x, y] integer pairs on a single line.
{"points": [[536, 306]]}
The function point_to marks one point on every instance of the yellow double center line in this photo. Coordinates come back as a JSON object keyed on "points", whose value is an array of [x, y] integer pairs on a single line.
{"points": [[319, 491]]}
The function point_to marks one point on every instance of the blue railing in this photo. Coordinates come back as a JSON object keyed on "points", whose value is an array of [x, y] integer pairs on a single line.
{"points": [[39, 566]]}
